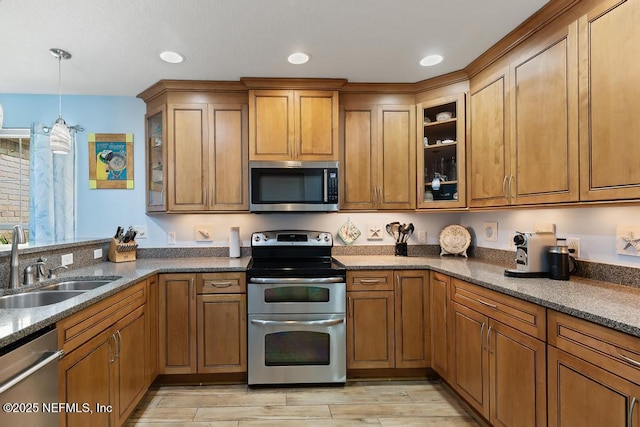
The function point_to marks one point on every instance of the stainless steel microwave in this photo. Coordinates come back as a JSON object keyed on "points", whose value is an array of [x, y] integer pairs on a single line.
{"points": [[290, 186]]}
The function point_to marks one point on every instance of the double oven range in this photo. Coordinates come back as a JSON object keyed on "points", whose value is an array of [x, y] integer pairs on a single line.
{"points": [[296, 301]]}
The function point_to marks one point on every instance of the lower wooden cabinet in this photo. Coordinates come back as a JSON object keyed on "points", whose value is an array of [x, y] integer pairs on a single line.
{"points": [[498, 369], [582, 394], [202, 323], [370, 329], [151, 330], [387, 319], [222, 333], [593, 374], [104, 363], [177, 324], [440, 324]]}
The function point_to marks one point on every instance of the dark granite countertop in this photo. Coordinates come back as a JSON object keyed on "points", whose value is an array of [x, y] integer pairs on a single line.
{"points": [[615, 306], [18, 323], [611, 305]]}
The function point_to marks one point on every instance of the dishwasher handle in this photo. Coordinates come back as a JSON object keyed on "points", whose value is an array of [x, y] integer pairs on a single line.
{"points": [[52, 356]]}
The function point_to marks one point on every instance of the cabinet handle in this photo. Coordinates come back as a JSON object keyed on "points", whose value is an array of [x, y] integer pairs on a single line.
{"points": [[504, 187], [631, 407], [628, 359], [115, 344], [487, 304], [482, 334], [348, 307], [511, 195], [489, 338], [219, 284], [369, 281], [119, 343]]}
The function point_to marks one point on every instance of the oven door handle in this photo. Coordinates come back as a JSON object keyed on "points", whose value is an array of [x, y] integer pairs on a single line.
{"points": [[300, 280], [330, 322]]}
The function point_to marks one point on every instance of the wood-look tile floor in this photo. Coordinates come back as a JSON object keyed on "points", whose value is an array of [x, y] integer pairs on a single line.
{"points": [[370, 403]]}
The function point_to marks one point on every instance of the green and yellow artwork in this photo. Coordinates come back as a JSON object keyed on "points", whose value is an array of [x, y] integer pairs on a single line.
{"points": [[111, 160]]}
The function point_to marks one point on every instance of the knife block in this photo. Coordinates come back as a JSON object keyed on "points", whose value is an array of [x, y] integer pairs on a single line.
{"points": [[122, 252]]}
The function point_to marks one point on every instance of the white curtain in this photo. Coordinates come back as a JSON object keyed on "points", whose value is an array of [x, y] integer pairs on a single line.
{"points": [[51, 189]]}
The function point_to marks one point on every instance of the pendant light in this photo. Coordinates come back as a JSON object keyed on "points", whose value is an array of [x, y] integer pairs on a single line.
{"points": [[60, 138]]}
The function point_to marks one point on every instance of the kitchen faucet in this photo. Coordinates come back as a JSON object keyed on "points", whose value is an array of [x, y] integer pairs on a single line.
{"points": [[18, 238]]}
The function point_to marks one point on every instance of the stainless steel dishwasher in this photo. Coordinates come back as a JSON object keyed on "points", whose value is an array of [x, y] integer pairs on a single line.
{"points": [[29, 381]]}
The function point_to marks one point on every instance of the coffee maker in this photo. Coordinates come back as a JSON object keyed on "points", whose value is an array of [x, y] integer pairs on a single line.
{"points": [[532, 254]]}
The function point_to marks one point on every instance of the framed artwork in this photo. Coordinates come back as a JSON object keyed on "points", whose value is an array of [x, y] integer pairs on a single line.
{"points": [[111, 160]]}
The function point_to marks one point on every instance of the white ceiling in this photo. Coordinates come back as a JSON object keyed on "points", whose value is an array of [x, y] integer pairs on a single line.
{"points": [[115, 43]]}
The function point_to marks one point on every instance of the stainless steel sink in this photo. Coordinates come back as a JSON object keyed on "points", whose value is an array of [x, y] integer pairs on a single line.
{"points": [[36, 298], [78, 285]]}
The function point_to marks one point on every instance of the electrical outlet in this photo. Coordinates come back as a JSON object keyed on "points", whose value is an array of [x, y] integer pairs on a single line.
{"points": [[171, 237], [422, 236], [490, 231], [67, 259], [573, 243], [97, 253], [141, 231]]}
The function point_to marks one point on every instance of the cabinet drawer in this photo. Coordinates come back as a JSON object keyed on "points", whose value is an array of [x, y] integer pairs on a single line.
{"points": [[614, 351], [84, 325], [370, 280], [521, 315], [221, 283]]}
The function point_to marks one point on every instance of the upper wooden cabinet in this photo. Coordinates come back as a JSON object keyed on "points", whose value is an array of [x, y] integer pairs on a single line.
{"points": [[523, 127], [197, 147], [488, 145], [378, 165], [293, 119], [441, 152], [609, 103]]}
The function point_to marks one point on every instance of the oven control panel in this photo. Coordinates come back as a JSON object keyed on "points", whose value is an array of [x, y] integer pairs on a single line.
{"points": [[292, 238]]}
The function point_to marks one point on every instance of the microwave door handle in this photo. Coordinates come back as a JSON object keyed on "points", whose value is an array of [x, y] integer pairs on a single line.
{"points": [[326, 185]]}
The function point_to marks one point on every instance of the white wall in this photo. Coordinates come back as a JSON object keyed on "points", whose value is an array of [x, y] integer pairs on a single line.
{"points": [[184, 226], [595, 226]]}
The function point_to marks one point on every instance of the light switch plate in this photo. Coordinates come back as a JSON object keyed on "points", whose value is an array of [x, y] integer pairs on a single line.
{"points": [[628, 240], [490, 231], [204, 232], [374, 231]]}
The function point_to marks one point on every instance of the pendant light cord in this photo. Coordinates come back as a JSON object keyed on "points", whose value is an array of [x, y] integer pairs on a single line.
{"points": [[59, 87]]}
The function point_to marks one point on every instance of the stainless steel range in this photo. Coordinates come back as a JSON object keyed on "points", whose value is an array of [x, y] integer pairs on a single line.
{"points": [[296, 300]]}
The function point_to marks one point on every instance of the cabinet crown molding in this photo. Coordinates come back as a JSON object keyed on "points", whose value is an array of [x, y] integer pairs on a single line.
{"points": [[163, 86], [292, 83]]}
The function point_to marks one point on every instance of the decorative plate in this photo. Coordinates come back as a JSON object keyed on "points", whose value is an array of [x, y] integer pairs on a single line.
{"points": [[454, 239]]}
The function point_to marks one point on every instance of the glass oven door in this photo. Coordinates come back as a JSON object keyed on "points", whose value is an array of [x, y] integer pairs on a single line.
{"points": [[296, 295], [297, 348]]}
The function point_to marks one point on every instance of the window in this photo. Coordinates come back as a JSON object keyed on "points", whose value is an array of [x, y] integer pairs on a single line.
{"points": [[14, 180]]}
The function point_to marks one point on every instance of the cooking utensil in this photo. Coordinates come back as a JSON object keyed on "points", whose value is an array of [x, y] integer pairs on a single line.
{"points": [[408, 231], [392, 229]]}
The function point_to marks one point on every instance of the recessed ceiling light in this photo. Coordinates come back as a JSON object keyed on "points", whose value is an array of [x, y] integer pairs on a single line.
{"points": [[298, 58], [171, 57], [430, 60]]}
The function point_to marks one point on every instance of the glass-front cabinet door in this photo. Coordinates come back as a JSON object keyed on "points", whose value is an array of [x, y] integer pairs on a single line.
{"points": [[441, 148], [156, 160]]}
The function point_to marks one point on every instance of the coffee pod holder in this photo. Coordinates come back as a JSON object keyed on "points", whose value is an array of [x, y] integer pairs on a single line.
{"points": [[122, 252]]}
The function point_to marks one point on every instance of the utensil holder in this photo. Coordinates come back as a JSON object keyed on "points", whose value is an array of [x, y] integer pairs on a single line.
{"points": [[122, 252], [401, 249]]}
